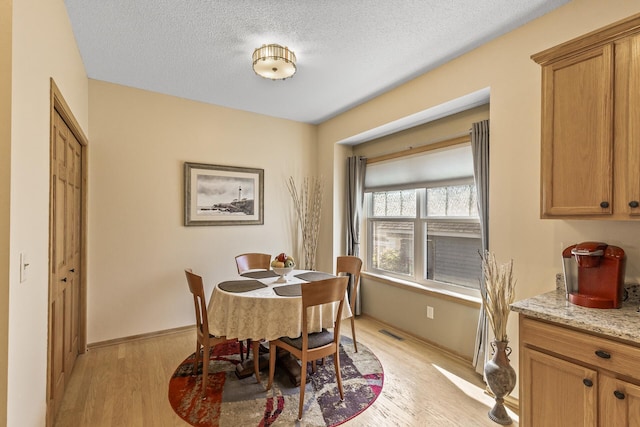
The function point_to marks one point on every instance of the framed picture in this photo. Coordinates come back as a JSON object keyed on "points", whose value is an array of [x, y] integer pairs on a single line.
{"points": [[223, 195]]}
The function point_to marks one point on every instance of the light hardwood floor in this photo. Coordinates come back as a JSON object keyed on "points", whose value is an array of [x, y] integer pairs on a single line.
{"points": [[126, 384]]}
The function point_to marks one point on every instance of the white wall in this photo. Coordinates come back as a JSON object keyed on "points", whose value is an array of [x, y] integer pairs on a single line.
{"points": [[504, 65], [43, 47], [138, 247]]}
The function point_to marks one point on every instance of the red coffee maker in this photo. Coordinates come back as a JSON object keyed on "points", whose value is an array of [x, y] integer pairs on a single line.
{"points": [[595, 278]]}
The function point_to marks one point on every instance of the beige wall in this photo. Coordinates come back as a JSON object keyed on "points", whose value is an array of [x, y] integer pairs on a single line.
{"points": [[43, 47], [138, 247], [5, 187], [505, 66], [438, 130]]}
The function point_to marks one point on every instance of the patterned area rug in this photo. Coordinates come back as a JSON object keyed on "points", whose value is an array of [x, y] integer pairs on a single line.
{"points": [[235, 402]]}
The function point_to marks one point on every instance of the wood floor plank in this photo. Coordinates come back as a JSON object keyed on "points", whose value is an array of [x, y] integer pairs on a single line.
{"points": [[126, 384]]}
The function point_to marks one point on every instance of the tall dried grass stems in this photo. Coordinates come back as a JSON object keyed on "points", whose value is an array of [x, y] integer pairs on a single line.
{"points": [[498, 292], [308, 205]]}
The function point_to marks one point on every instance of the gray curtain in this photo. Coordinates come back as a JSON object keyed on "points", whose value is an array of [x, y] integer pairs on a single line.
{"points": [[480, 151], [356, 166]]}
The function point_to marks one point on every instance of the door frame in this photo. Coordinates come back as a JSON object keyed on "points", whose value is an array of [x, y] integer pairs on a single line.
{"points": [[58, 103]]}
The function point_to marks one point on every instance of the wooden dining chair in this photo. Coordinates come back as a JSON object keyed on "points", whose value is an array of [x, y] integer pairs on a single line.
{"points": [[246, 262], [204, 339], [313, 346], [253, 261], [351, 265]]}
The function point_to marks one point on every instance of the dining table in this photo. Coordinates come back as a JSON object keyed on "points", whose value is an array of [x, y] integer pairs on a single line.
{"points": [[262, 305]]}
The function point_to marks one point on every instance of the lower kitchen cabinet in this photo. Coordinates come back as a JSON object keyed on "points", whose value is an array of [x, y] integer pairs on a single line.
{"points": [[574, 378], [619, 402]]}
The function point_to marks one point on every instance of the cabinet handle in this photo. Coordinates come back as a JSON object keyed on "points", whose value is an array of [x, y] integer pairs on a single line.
{"points": [[587, 382], [73, 270], [634, 204], [618, 394], [604, 204], [603, 354], [64, 279]]}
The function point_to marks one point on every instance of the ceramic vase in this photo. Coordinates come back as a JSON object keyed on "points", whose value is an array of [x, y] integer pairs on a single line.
{"points": [[501, 378]]}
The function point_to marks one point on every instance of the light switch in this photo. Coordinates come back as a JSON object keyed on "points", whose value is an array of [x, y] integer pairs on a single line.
{"points": [[24, 264]]}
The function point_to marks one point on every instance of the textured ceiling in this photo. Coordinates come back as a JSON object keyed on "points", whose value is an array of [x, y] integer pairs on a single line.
{"points": [[348, 51]]}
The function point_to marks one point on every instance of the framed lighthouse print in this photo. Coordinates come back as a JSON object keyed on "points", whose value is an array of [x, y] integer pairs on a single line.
{"points": [[223, 195]]}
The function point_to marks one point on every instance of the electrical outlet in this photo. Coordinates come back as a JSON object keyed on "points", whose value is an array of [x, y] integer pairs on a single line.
{"points": [[430, 312]]}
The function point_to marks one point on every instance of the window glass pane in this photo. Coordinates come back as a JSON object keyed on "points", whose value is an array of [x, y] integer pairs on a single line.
{"points": [[379, 204], [453, 200], [393, 246], [437, 201], [395, 203], [458, 200], [408, 203], [474, 202], [452, 251]]}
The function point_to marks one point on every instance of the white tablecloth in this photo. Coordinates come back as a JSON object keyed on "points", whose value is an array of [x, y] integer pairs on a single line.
{"points": [[262, 314]]}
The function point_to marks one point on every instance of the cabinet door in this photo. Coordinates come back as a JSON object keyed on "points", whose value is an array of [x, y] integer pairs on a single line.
{"points": [[627, 127], [619, 403], [577, 135], [555, 392]]}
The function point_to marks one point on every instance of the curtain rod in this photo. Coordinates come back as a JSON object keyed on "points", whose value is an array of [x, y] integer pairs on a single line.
{"points": [[421, 149]]}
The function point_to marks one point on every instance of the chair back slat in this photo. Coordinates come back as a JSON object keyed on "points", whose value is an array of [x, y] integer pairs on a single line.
{"points": [[319, 293], [350, 265], [252, 261], [199, 301]]}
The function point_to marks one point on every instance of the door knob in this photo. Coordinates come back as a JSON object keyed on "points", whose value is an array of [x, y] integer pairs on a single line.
{"points": [[73, 270], [634, 204], [64, 279], [604, 204], [587, 382]]}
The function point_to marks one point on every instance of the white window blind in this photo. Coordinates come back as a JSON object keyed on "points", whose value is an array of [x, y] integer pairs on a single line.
{"points": [[414, 171]]}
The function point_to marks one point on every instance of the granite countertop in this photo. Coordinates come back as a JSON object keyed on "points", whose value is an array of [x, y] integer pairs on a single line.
{"points": [[621, 323]]}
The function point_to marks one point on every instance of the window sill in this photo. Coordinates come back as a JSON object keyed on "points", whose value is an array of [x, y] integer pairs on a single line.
{"points": [[446, 294]]}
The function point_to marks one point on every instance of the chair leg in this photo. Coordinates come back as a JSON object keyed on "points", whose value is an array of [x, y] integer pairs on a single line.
{"points": [[303, 383], [205, 370], [353, 332], [256, 359], [196, 359], [241, 344], [336, 364], [272, 364]]}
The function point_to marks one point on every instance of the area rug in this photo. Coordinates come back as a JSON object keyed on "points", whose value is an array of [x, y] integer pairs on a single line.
{"points": [[235, 402]]}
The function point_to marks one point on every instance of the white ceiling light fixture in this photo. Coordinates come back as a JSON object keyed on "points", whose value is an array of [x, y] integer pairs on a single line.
{"points": [[274, 62]]}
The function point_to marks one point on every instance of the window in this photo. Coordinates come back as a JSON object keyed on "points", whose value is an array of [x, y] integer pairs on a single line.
{"points": [[430, 235]]}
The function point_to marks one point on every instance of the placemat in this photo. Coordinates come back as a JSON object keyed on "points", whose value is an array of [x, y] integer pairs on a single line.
{"points": [[288, 290], [241, 285], [314, 276], [260, 274]]}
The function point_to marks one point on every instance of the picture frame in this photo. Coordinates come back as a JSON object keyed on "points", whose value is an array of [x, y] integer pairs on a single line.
{"points": [[223, 195]]}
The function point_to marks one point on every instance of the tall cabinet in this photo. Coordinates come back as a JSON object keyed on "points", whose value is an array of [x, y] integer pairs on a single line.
{"points": [[590, 148]]}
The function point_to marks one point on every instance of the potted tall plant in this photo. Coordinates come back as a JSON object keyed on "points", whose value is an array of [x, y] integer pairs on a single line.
{"points": [[497, 288]]}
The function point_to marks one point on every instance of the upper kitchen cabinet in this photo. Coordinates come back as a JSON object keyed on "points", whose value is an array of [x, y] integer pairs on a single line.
{"points": [[590, 157]]}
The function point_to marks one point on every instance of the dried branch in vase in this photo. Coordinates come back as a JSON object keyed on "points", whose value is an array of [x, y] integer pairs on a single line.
{"points": [[307, 202], [498, 292]]}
